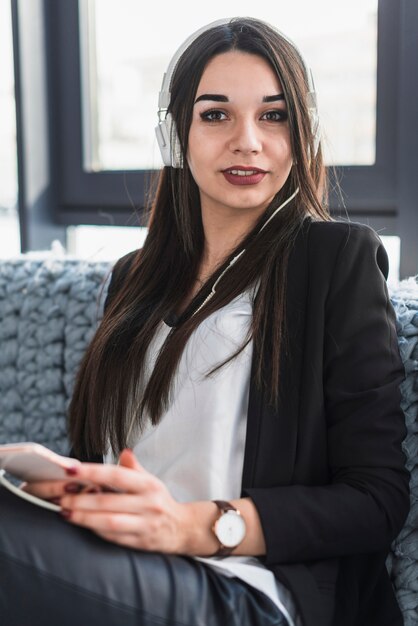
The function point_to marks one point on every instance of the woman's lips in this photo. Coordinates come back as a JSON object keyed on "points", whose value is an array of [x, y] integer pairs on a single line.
{"points": [[244, 175]]}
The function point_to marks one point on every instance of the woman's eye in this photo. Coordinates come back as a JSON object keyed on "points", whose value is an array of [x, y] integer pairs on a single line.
{"points": [[213, 116], [275, 116]]}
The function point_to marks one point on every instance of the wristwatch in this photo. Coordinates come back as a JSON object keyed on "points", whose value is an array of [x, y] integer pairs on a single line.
{"points": [[229, 528]]}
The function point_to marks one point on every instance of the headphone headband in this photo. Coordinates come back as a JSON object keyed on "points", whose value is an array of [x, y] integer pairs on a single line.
{"points": [[164, 96], [165, 131]]}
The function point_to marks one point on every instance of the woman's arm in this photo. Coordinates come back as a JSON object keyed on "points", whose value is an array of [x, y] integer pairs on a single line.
{"points": [[365, 505], [143, 515]]}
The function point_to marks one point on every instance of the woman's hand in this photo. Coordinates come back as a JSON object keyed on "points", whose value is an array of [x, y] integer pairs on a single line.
{"points": [[127, 505], [141, 514]]}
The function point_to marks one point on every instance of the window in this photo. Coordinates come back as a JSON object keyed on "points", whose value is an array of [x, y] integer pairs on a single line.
{"points": [[103, 243]]}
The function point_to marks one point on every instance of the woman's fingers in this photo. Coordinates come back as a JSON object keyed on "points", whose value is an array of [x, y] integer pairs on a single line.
{"points": [[117, 523], [45, 489], [57, 488], [128, 459], [128, 477], [141, 532], [151, 520], [119, 477], [106, 502]]}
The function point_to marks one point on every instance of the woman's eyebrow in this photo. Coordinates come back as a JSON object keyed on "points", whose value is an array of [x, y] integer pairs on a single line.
{"points": [[216, 97], [212, 96], [279, 96]]}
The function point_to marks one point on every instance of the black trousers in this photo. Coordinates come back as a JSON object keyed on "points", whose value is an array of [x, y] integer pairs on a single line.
{"points": [[56, 574]]}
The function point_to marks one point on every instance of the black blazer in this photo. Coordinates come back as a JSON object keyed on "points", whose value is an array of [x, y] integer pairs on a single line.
{"points": [[326, 470]]}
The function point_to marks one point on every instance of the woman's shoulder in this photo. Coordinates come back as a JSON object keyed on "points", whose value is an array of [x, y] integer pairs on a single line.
{"points": [[341, 231], [337, 237], [123, 265], [119, 272], [348, 243]]}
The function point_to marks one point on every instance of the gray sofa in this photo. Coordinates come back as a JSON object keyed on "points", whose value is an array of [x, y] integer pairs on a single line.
{"points": [[49, 308]]}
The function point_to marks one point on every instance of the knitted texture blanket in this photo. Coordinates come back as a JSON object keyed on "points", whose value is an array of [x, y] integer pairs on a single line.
{"points": [[49, 309], [403, 560]]}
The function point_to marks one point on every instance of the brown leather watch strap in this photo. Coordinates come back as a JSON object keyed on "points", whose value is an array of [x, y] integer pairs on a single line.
{"points": [[224, 506]]}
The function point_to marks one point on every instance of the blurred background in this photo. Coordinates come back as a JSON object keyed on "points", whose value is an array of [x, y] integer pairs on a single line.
{"points": [[79, 83]]}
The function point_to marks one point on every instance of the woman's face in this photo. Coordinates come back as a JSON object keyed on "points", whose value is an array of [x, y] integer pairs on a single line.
{"points": [[239, 143]]}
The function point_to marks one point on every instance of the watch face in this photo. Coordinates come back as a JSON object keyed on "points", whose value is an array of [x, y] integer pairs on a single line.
{"points": [[230, 529]]}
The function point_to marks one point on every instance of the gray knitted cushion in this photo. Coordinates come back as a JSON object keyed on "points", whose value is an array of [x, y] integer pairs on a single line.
{"points": [[49, 309], [403, 561]]}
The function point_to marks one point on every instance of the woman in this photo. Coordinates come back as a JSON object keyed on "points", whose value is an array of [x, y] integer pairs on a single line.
{"points": [[248, 356]]}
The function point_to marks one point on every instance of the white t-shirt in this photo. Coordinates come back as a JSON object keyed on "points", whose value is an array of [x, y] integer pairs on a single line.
{"points": [[197, 449]]}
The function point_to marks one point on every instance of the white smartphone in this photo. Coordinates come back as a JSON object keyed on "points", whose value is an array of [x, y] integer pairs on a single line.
{"points": [[32, 462]]}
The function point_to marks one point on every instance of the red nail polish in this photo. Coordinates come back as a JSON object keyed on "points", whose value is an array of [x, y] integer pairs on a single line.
{"points": [[73, 487], [71, 471], [66, 513]]}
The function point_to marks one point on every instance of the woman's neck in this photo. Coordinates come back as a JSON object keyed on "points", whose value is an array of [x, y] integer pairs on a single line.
{"points": [[222, 235]]}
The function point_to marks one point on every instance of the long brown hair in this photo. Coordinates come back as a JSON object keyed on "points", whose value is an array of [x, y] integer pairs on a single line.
{"points": [[109, 392]]}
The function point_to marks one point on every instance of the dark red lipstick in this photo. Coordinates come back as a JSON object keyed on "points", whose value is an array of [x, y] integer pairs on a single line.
{"points": [[244, 175]]}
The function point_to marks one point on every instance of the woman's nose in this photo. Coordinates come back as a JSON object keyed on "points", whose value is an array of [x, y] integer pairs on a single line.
{"points": [[245, 137]]}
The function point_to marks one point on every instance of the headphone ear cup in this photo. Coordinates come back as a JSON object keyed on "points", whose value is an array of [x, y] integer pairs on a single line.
{"points": [[163, 140], [169, 143], [313, 114], [316, 129]]}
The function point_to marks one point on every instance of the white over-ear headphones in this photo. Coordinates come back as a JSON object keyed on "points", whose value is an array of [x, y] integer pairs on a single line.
{"points": [[165, 131]]}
